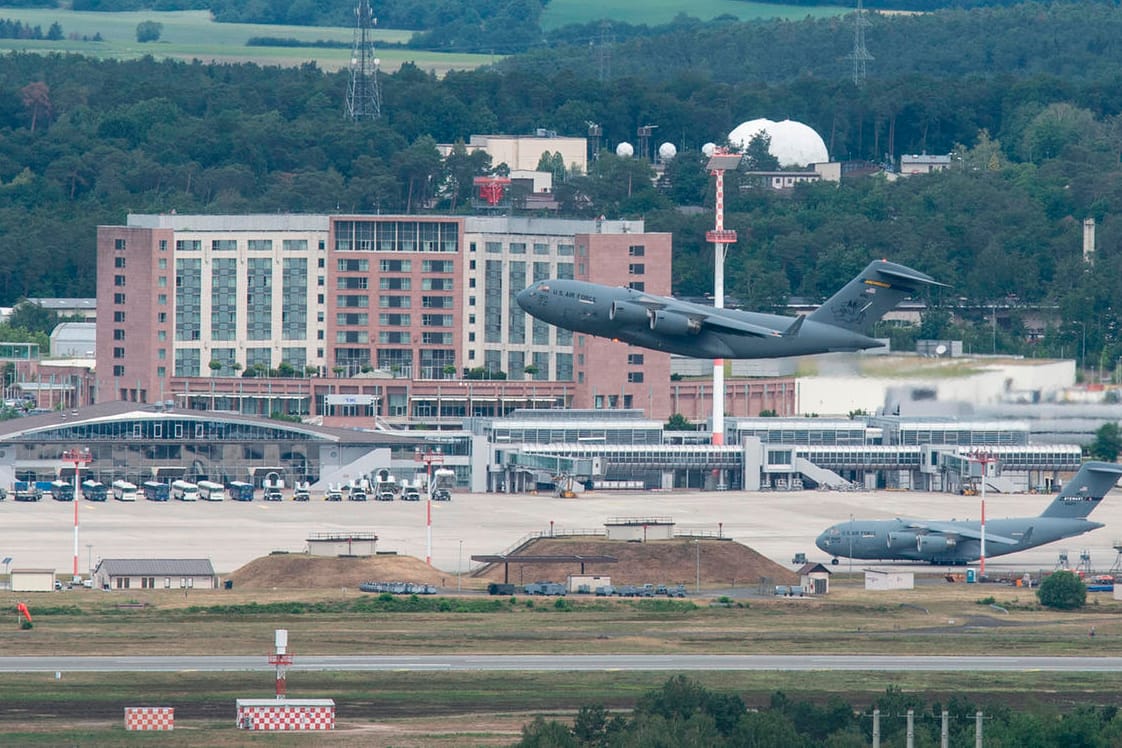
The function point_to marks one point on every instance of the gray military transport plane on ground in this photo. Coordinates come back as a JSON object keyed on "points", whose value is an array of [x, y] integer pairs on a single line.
{"points": [[844, 323], [953, 542]]}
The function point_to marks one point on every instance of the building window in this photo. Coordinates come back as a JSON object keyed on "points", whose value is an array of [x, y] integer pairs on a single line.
{"points": [[161, 299], [636, 250], [634, 359], [162, 264], [565, 250], [637, 286], [395, 266], [118, 280], [354, 266], [118, 298], [118, 370], [163, 245], [118, 262], [118, 353], [188, 245], [118, 334], [119, 244], [224, 245], [162, 318], [635, 377], [118, 316], [518, 248], [260, 245], [294, 245], [637, 268]]}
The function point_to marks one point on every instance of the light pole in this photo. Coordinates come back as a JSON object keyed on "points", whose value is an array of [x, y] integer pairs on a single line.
{"points": [[460, 568], [983, 458], [79, 457]]}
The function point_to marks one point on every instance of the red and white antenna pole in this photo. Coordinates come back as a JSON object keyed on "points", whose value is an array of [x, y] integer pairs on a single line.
{"points": [[984, 458], [281, 659], [79, 458], [719, 160]]}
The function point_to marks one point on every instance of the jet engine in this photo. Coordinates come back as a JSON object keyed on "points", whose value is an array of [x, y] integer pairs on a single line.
{"points": [[624, 313], [934, 543], [898, 540], [672, 323]]}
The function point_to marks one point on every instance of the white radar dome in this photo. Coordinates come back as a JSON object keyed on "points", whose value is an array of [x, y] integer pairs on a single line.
{"points": [[709, 149], [625, 150], [793, 143], [667, 151]]}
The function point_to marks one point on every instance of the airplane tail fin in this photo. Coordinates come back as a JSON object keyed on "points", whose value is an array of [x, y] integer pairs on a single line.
{"points": [[1085, 490], [868, 297]]}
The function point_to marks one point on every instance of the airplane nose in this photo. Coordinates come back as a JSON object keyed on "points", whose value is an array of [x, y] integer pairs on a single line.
{"points": [[523, 297]]}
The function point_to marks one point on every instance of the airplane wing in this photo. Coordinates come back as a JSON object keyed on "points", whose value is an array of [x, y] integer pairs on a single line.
{"points": [[715, 320], [962, 531]]}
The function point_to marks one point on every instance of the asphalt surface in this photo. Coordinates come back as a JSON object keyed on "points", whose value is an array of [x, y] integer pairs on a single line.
{"points": [[777, 524], [570, 663]]}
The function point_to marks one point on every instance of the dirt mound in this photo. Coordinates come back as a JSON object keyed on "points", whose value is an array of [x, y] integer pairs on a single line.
{"points": [[656, 561], [300, 571]]}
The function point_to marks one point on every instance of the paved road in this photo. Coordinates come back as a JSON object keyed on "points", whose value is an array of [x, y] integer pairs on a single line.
{"points": [[790, 663]]}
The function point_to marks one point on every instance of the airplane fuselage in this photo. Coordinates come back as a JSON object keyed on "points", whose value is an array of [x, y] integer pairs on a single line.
{"points": [[900, 540], [629, 316]]}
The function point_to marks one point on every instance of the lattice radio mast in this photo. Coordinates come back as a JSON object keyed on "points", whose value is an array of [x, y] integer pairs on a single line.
{"points": [[860, 54], [364, 97]]}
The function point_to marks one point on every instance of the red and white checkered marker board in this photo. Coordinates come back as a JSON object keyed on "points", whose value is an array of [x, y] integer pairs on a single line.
{"points": [[285, 717], [149, 718]]}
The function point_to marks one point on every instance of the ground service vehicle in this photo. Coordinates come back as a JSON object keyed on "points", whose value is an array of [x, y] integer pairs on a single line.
{"points": [[333, 495], [183, 490], [496, 588], [156, 491], [124, 491], [93, 490], [62, 491], [211, 491], [385, 495], [273, 494], [411, 494], [240, 490], [27, 491], [358, 494], [302, 494]]}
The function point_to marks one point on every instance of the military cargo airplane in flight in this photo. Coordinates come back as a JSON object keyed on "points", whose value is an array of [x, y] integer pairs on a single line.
{"points": [[844, 323], [959, 542]]}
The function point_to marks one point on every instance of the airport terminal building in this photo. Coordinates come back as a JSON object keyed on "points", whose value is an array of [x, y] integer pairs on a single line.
{"points": [[534, 450]]}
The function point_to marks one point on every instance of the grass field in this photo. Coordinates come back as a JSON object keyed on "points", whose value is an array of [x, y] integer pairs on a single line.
{"points": [[654, 12], [407, 709], [191, 35]]}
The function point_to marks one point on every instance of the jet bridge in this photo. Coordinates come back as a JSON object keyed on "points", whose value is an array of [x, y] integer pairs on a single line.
{"points": [[566, 473]]}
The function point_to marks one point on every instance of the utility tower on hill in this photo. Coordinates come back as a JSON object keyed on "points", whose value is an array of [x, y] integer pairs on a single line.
{"points": [[364, 97]]}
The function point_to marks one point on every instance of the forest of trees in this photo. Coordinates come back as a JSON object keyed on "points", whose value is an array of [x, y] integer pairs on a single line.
{"points": [[84, 141], [685, 714]]}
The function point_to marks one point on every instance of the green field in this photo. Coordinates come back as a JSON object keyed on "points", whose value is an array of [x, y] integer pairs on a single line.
{"points": [[654, 12], [191, 35]]}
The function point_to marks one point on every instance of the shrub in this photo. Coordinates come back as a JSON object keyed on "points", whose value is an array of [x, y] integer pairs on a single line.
{"points": [[1063, 590]]}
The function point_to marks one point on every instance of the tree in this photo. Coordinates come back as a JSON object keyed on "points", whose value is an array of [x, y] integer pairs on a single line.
{"points": [[149, 31], [36, 98], [679, 422], [757, 156], [1063, 590], [1107, 443]]}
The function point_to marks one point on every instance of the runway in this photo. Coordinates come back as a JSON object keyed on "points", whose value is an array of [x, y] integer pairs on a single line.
{"points": [[777, 524], [571, 663]]}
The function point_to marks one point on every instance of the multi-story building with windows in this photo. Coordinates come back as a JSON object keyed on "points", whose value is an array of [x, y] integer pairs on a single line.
{"points": [[359, 316]]}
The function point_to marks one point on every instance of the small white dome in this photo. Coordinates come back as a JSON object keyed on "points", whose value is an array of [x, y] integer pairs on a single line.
{"points": [[625, 150], [667, 151], [709, 149], [793, 143]]}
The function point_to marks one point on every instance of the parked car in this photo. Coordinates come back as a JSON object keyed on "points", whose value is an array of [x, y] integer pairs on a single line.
{"points": [[442, 494], [333, 496], [273, 495]]}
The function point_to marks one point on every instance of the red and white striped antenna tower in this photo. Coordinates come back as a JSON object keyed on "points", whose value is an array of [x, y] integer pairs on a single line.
{"points": [[80, 458], [720, 160], [281, 659], [428, 455], [984, 459]]}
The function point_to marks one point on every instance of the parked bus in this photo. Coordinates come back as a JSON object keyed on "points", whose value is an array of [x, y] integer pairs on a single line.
{"points": [[93, 490], [240, 490], [211, 491], [156, 491], [124, 491], [184, 491], [62, 491]]}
